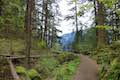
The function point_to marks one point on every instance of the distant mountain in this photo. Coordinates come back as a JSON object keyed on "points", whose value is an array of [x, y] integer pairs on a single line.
{"points": [[66, 40]]}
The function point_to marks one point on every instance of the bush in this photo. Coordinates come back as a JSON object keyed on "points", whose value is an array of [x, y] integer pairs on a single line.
{"points": [[21, 70], [115, 45], [65, 57], [41, 44], [114, 70], [60, 67], [33, 74], [46, 65], [64, 71], [56, 47], [108, 58]]}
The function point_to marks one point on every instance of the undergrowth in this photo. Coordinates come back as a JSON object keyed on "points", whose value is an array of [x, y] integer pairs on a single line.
{"points": [[59, 67], [109, 60]]}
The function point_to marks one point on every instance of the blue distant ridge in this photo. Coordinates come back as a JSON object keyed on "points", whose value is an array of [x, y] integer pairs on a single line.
{"points": [[66, 40]]}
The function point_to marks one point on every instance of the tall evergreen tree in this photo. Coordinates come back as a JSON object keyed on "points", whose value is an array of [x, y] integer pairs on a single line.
{"points": [[28, 28]]}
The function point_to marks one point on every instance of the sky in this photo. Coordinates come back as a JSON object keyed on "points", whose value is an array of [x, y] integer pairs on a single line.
{"points": [[66, 26]]}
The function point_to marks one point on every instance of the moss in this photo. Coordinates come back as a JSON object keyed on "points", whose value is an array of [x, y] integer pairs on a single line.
{"points": [[21, 70]]}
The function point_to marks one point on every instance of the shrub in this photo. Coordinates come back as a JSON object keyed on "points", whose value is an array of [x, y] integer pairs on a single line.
{"points": [[108, 58], [21, 70], [56, 47], [114, 70], [46, 65], [41, 44], [65, 57], [115, 45], [33, 74], [64, 71]]}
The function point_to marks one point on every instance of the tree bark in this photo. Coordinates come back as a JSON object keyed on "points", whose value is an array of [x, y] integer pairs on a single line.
{"points": [[42, 18], [76, 17], [28, 25], [101, 41], [95, 14], [1, 7], [46, 20]]}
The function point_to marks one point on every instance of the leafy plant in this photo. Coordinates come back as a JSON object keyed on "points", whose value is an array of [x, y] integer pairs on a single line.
{"points": [[41, 44], [33, 74], [65, 71], [46, 65], [108, 58], [65, 57], [21, 70]]}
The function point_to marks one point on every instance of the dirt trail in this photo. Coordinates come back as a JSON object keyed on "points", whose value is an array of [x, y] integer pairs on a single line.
{"points": [[87, 70]]}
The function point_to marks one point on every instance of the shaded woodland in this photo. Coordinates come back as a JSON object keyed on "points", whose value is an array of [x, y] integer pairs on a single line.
{"points": [[31, 49]]}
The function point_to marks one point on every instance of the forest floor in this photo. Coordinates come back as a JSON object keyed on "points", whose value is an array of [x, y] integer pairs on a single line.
{"points": [[87, 70]]}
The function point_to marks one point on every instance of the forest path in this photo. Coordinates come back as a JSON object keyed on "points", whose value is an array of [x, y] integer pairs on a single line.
{"points": [[87, 70]]}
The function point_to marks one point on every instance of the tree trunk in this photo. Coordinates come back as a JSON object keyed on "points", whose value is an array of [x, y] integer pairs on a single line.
{"points": [[46, 20], [76, 19], [100, 22], [42, 22], [28, 24], [1, 7], [95, 13]]}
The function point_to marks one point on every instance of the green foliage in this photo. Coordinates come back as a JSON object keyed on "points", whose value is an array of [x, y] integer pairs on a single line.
{"points": [[108, 58], [108, 3], [115, 45], [118, 11], [41, 44], [4, 46], [21, 70], [48, 64], [76, 43], [74, 1], [65, 71], [1, 20], [101, 71], [60, 67], [56, 47], [72, 65], [114, 71], [90, 39], [33, 74], [16, 44], [111, 72], [85, 7], [105, 27], [86, 42], [13, 16], [64, 56]]}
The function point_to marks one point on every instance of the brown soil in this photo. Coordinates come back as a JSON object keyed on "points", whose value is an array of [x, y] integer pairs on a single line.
{"points": [[87, 70]]}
